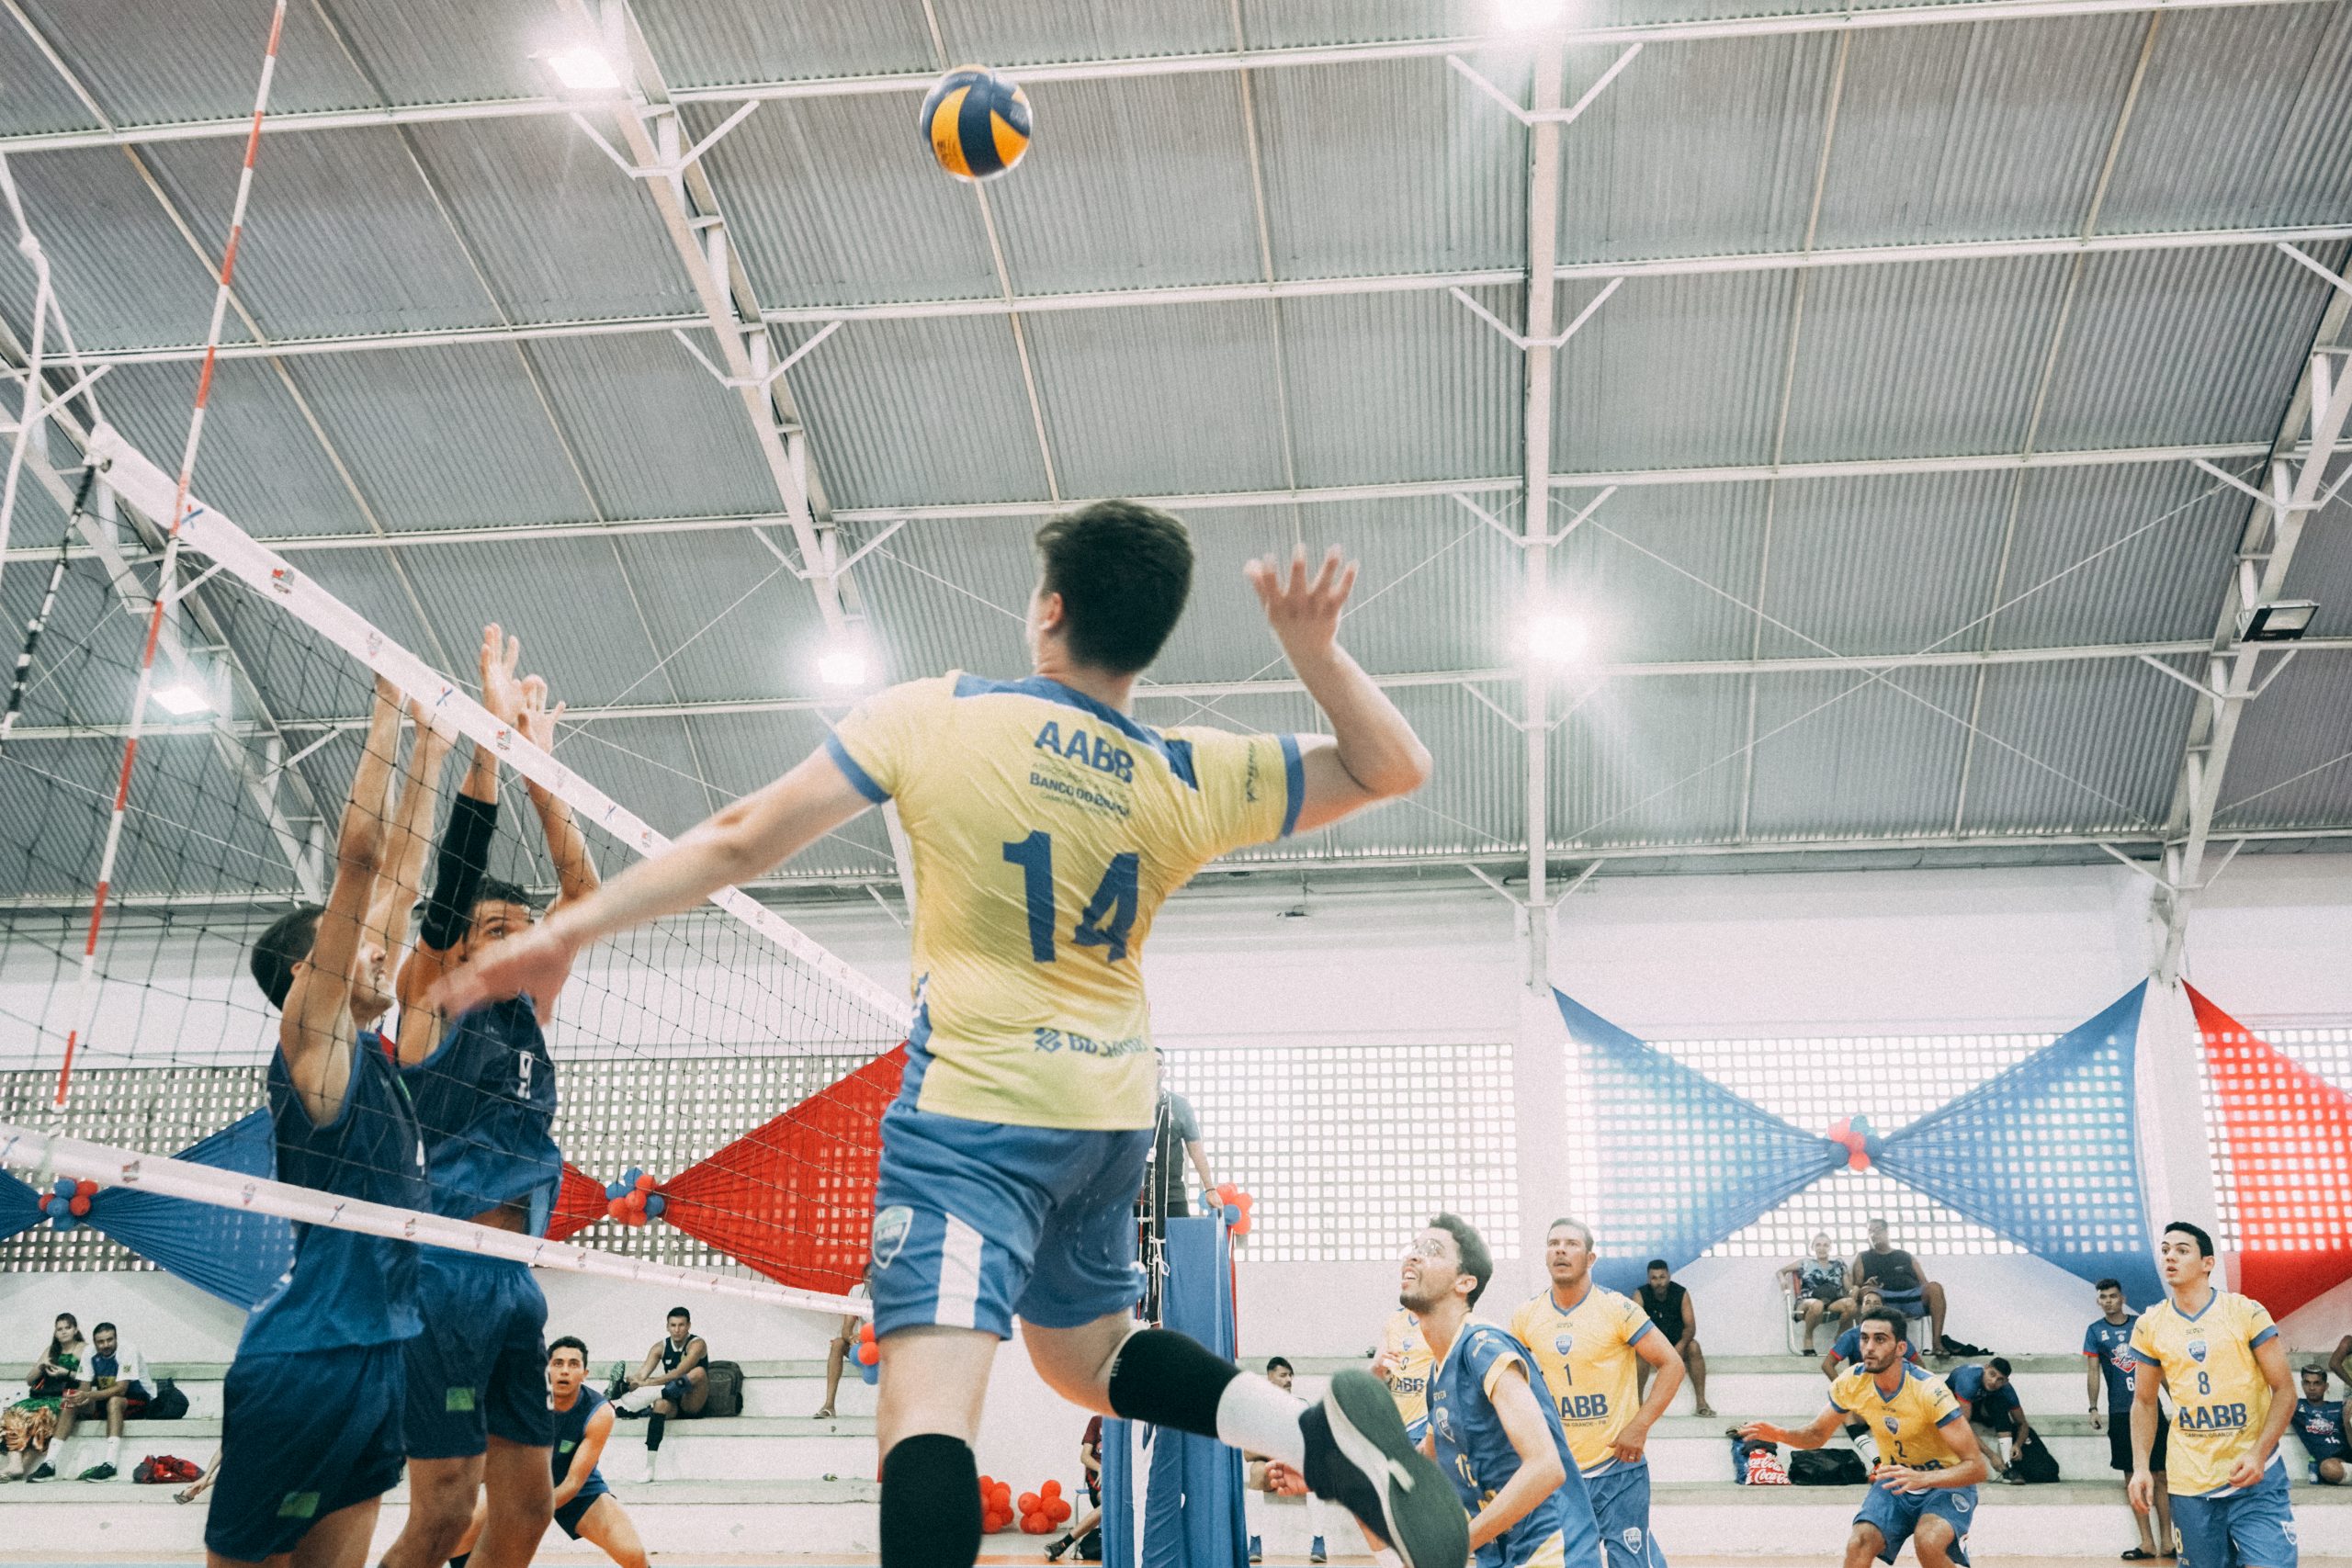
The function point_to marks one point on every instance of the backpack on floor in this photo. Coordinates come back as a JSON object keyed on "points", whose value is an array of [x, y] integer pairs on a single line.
{"points": [[725, 1381], [2033, 1461], [1827, 1467], [168, 1402], [1090, 1546], [165, 1470]]}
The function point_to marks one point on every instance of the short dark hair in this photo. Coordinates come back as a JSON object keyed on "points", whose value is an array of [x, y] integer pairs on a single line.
{"points": [[1895, 1323], [1476, 1261], [287, 942], [104, 1328], [1658, 1263], [678, 1312], [2204, 1243], [2110, 1283], [1124, 570], [572, 1342], [1576, 1226], [491, 890], [1999, 1364], [1274, 1361]]}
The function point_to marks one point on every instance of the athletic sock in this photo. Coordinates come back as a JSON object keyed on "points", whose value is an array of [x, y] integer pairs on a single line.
{"points": [[931, 1504], [114, 1451], [653, 1430], [1170, 1381], [638, 1398]]}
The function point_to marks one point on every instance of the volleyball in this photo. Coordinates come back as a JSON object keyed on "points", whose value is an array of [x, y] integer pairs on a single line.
{"points": [[975, 122]]}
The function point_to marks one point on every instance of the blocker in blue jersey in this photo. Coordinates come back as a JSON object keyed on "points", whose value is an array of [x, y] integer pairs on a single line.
{"points": [[1048, 825]]}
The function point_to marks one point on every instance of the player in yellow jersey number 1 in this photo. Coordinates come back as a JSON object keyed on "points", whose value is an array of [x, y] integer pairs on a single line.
{"points": [[1924, 1490], [2219, 1355], [1047, 826]]}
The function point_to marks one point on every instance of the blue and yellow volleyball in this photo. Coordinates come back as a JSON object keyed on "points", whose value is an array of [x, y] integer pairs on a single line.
{"points": [[975, 122]]}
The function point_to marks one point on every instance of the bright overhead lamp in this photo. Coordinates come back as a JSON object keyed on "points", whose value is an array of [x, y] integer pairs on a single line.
{"points": [[2284, 621], [584, 70], [842, 667], [180, 699], [1529, 15], [1557, 639]]}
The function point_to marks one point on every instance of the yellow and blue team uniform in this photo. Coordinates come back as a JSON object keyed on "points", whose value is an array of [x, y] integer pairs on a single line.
{"points": [[1908, 1425], [2220, 1401], [1047, 829], [1589, 1364], [311, 1408], [485, 1100], [1409, 1379], [1475, 1452]]}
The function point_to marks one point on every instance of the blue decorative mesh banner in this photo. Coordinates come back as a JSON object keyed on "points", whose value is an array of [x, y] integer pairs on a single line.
{"points": [[19, 1207], [2048, 1154], [1683, 1161], [230, 1253]]}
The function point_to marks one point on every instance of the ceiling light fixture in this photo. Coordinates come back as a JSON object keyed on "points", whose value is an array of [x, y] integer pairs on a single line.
{"points": [[2284, 621], [180, 700], [1556, 639], [842, 667], [1529, 15], [584, 70]]}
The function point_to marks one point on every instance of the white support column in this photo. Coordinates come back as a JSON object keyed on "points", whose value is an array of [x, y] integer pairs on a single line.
{"points": [[1540, 1119], [2175, 1160], [1535, 521]]}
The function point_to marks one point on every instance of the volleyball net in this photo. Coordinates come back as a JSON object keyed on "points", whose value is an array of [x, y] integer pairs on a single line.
{"points": [[721, 1065]]}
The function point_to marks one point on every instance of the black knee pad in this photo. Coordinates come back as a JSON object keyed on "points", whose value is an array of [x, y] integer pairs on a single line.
{"points": [[931, 1504], [1169, 1379]]}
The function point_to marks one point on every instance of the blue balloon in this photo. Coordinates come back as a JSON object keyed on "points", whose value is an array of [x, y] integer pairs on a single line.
{"points": [[1233, 1214], [64, 1188], [654, 1204], [63, 1222], [614, 1189], [628, 1177], [871, 1375]]}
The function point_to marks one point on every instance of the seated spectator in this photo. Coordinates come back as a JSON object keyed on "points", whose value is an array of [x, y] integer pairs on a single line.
{"points": [[1903, 1281], [838, 1351], [115, 1385], [30, 1424], [2319, 1422], [1990, 1402], [1817, 1285], [1090, 1459], [1276, 1480], [1676, 1315], [672, 1380]]}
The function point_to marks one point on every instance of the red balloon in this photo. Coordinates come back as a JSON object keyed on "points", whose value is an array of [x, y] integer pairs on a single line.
{"points": [[645, 1182], [79, 1204], [1059, 1511], [86, 1189], [1858, 1158], [1838, 1129], [1050, 1489], [1028, 1502], [868, 1354]]}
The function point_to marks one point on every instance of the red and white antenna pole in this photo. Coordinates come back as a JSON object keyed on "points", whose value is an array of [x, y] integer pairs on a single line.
{"points": [[83, 994]]}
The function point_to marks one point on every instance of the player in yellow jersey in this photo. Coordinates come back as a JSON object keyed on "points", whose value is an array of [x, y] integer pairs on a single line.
{"points": [[2219, 1356], [1587, 1341], [1402, 1364], [1924, 1490], [1048, 825]]}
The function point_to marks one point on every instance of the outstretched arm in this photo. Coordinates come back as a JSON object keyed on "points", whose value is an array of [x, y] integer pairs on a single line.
{"points": [[593, 1437], [1372, 754], [1824, 1426], [412, 833], [315, 1033], [575, 873]]}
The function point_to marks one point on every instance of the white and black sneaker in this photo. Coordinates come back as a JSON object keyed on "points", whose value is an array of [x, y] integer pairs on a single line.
{"points": [[1359, 1457]]}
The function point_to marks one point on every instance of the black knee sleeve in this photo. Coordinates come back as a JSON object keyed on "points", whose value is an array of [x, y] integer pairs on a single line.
{"points": [[931, 1504], [655, 1425], [1169, 1379]]}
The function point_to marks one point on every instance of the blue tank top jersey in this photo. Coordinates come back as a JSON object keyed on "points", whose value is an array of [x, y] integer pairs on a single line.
{"points": [[571, 1427], [345, 1288], [1476, 1454], [485, 1100]]}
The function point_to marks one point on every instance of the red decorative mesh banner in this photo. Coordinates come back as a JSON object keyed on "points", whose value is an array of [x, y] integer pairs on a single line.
{"points": [[580, 1202], [793, 1199], [2288, 1135]]}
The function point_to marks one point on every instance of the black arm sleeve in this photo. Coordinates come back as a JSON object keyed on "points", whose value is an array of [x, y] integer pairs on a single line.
{"points": [[456, 871]]}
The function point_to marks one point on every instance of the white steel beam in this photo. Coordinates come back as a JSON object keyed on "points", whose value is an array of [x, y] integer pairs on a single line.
{"points": [[1536, 356], [1289, 288], [1955, 12]]}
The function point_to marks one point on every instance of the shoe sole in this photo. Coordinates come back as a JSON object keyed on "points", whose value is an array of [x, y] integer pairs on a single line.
{"points": [[1422, 1517]]}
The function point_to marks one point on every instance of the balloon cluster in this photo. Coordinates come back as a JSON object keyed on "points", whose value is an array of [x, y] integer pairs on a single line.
{"points": [[996, 1504], [869, 1354], [1861, 1143], [632, 1200], [1233, 1202], [68, 1201], [1042, 1509]]}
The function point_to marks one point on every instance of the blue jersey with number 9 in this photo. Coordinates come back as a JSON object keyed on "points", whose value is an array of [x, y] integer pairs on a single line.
{"points": [[1048, 829]]}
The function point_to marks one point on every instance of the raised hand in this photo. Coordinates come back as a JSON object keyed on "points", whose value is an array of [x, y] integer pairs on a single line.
{"points": [[1304, 612], [500, 694], [533, 717]]}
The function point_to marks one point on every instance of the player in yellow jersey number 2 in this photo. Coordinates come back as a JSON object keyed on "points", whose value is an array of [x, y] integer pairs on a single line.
{"points": [[1047, 826]]}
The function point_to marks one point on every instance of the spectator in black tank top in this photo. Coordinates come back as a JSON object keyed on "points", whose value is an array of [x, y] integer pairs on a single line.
{"points": [[1676, 1315], [1902, 1280], [672, 1380]]}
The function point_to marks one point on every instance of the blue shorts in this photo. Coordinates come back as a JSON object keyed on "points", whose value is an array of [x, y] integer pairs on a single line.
{"points": [[1898, 1514], [1621, 1506], [2253, 1529], [977, 1222], [1417, 1428], [304, 1433], [479, 1369], [572, 1513]]}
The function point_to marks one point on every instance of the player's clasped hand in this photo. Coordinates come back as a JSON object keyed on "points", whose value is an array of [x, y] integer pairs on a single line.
{"points": [[1901, 1478]]}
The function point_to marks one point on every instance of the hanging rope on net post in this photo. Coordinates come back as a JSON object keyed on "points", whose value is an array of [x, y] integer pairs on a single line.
{"points": [[85, 1001], [52, 1156]]}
